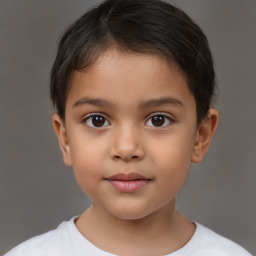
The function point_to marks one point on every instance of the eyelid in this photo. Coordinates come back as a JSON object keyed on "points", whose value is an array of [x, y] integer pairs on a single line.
{"points": [[95, 114], [161, 114], [166, 115], [85, 119]]}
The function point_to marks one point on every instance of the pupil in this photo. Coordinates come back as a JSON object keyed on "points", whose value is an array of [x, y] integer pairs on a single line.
{"points": [[98, 121], [158, 120]]}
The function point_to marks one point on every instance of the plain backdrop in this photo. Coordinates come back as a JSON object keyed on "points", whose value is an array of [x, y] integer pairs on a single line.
{"points": [[37, 191]]}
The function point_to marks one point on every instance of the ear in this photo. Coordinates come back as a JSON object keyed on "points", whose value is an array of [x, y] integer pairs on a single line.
{"points": [[61, 132], [204, 135]]}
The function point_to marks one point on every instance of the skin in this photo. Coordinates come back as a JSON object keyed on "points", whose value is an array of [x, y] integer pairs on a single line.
{"points": [[142, 222]]}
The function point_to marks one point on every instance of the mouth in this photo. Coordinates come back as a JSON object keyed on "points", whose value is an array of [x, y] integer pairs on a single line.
{"points": [[128, 183]]}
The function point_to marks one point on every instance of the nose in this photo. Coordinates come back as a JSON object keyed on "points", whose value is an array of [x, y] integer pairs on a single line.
{"points": [[127, 144]]}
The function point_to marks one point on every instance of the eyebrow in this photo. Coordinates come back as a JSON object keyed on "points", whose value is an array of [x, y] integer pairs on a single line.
{"points": [[160, 102], [95, 102], [142, 105]]}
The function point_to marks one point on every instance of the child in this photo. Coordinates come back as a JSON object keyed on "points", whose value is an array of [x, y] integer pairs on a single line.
{"points": [[132, 83]]}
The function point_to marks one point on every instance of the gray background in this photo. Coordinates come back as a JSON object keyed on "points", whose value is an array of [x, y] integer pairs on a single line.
{"points": [[37, 191]]}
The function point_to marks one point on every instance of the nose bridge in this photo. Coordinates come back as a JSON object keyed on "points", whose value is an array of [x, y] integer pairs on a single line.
{"points": [[127, 143]]}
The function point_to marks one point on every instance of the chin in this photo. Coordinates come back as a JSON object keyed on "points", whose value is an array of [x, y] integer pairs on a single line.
{"points": [[130, 213]]}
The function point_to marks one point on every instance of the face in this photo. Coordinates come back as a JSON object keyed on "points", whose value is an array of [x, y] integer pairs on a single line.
{"points": [[130, 133]]}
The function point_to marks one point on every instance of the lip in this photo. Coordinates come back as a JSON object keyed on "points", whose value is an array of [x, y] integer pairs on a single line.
{"points": [[128, 182]]}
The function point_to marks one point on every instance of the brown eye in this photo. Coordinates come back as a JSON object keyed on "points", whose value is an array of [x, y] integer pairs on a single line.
{"points": [[159, 120], [96, 121]]}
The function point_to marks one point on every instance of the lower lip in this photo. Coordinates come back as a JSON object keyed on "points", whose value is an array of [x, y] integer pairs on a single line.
{"points": [[128, 186]]}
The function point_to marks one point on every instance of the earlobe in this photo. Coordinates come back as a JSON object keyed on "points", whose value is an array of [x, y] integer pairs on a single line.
{"points": [[61, 132], [204, 135]]}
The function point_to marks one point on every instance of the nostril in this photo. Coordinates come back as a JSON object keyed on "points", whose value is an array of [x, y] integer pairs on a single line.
{"points": [[117, 157], [127, 152]]}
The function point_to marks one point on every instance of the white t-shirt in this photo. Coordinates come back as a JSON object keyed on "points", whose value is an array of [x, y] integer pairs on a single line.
{"points": [[66, 240]]}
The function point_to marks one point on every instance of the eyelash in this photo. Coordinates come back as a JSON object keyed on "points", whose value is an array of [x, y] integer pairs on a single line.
{"points": [[165, 116], [90, 116]]}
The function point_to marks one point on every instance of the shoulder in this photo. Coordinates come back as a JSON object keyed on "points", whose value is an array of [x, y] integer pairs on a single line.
{"points": [[213, 244], [51, 243]]}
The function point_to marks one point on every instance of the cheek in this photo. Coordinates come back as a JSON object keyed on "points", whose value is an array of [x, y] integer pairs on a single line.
{"points": [[86, 151], [173, 160], [174, 151], [173, 173], [87, 162]]}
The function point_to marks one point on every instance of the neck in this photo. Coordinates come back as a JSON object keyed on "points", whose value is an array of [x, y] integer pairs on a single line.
{"points": [[144, 236]]}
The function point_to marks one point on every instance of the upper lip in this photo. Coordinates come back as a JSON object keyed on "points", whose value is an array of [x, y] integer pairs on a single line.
{"points": [[127, 176]]}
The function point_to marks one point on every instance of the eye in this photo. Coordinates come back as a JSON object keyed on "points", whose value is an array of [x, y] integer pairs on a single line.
{"points": [[96, 121], [159, 120]]}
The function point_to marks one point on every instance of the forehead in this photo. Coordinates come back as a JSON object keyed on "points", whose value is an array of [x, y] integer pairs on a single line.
{"points": [[127, 77]]}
